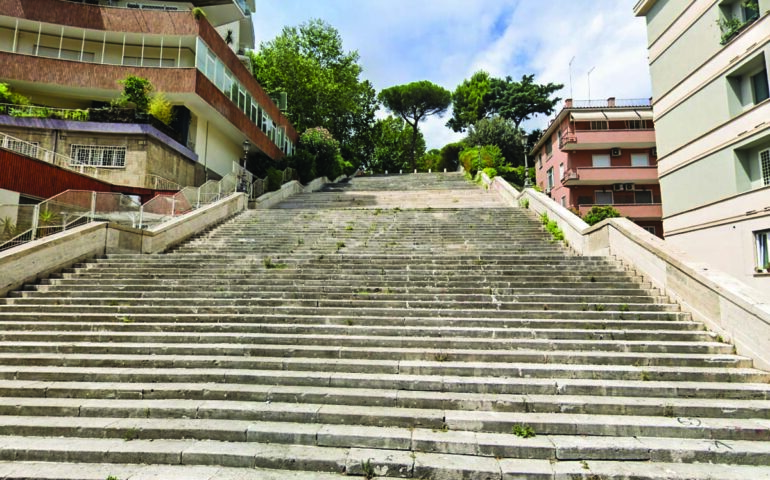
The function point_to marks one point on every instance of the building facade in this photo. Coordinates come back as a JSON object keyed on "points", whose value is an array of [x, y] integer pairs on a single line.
{"points": [[709, 66], [69, 55], [602, 152]]}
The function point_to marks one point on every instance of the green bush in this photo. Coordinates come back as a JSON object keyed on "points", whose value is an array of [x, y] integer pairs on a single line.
{"points": [[160, 108], [325, 148], [274, 179], [491, 172], [9, 96], [450, 155], [136, 92], [474, 159], [599, 213]]}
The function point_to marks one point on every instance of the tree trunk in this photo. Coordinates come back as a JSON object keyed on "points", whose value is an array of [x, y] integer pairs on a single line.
{"points": [[414, 147]]}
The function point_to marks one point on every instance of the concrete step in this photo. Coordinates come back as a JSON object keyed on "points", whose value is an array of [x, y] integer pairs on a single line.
{"points": [[265, 356]]}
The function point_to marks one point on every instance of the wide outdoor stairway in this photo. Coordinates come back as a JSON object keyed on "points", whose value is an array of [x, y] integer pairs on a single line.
{"points": [[408, 326]]}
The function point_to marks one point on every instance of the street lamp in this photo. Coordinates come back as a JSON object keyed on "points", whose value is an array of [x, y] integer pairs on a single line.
{"points": [[246, 146], [242, 173], [527, 181]]}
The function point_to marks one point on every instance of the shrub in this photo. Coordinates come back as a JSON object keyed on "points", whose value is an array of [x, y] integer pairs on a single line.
{"points": [[274, 179], [450, 155], [160, 108], [136, 92], [474, 159], [491, 172], [326, 149], [9, 96], [599, 213]]}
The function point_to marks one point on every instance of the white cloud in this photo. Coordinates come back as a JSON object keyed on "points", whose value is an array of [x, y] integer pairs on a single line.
{"points": [[445, 41]]}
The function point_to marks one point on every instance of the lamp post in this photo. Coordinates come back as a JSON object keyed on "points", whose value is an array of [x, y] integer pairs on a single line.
{"points": [[527, 181], [242, 173]]}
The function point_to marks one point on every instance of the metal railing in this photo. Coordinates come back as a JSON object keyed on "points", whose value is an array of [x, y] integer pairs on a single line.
{"points": [[607, 103], [20, 224], [28, 149], [62, 212], [35, 111]]}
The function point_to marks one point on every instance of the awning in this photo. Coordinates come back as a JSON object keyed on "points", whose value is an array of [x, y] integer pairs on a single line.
{"points": [[645, 114], [587, 116], [622, 115]]}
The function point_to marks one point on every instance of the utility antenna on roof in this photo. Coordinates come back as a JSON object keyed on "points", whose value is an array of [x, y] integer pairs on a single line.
{"points": [[589, 83], [570, 77]]}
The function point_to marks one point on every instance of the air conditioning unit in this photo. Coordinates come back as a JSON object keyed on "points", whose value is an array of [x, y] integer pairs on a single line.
{"points": [[615, 152], [654, 151], [629, 186], [618, 187]]}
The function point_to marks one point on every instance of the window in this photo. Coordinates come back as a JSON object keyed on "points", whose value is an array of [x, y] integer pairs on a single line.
{"points": [[599, 125], [747, 85], [548, 147], [759, 88], [600, 160], [99, 156], [650, 229], [558, 137], [564, 201], [561, 170], [549, 176], [764, 166], [642, 196], [636, 124], [640, 160], [603, 198], [762, 239]]}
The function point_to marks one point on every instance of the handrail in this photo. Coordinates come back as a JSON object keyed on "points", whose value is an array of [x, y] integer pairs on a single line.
{"points": [[22, 147], [36, 111]]}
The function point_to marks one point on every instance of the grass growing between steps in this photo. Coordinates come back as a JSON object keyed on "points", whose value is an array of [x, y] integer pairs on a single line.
{"points": [[268, 262], [552, 227]]}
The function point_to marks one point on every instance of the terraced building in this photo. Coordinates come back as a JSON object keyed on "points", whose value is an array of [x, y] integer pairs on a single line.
{"points": [[69, 56]]}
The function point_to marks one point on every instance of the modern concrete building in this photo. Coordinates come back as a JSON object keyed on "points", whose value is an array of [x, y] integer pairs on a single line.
{"points": [[67, 55], [709, 66], [602, 152]]}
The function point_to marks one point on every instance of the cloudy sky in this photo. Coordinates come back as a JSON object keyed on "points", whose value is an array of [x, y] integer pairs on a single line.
{"points": [[445, 41]]}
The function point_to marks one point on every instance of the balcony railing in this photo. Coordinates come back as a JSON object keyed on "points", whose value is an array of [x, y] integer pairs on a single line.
{"points": [[35, 111], [628, 138], [646, 211], [610, 175], [608, 103]]}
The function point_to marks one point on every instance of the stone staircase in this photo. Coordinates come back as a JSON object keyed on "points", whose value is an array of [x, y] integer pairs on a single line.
{"points": [[407, 326]]}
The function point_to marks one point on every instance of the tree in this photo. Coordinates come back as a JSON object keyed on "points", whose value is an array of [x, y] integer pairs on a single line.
{"points": [[474, 159], [325, 151], [392, 145], [501, 132], [415, 101], [322, 84], [518, 101], [469, 101], [599, 213], [136, 91]]}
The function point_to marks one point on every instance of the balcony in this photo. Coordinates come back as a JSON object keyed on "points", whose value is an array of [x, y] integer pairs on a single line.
{"points": [[605, 139], [610, 175], [634, 211]]}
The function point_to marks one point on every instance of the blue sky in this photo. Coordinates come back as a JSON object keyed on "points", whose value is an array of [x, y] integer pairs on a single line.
{"points": [[445, 41]]}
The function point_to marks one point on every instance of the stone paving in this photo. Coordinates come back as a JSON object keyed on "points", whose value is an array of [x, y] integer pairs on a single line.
{"points": [[406, 326]]}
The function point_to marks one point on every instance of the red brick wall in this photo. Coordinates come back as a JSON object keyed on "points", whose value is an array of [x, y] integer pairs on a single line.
{"points": [[99, 18]]}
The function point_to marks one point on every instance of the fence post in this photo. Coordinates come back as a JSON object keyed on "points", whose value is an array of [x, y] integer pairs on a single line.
{"points": [[141, 216], [35, 217], [93, 205], [173, 206], [198, 204]]}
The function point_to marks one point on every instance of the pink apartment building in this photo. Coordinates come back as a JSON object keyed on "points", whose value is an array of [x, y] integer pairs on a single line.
{"points": [[602, 152]]}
